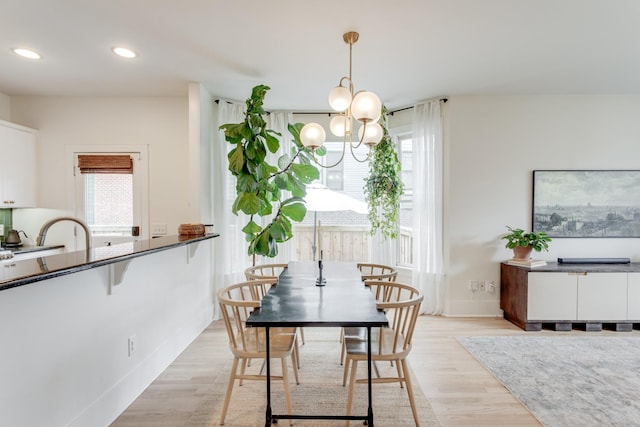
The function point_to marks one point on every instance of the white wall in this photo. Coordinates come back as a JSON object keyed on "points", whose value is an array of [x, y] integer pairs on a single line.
{"points": [[65, 358], [5, 107], [200, 142], [492, 146], [160, 123]]}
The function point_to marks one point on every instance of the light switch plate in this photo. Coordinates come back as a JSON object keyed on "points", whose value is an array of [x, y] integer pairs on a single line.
{"points": [[159, 230], [1, 229]]}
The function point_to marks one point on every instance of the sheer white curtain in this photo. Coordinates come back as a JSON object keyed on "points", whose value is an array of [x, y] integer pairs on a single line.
{"points": [[278, 121], [428, 264], [230, 250], [231, 257], [382, 250]]}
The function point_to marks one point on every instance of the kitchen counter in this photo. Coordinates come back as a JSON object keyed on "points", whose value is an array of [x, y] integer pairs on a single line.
{"points": [[25, 249], [47, 267], [87, 332]]}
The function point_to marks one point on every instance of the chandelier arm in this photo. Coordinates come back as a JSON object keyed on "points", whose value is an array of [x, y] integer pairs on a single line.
{"points": [[348, 79], [344, 149], [364, 131], [356, 145], [356, 157]]}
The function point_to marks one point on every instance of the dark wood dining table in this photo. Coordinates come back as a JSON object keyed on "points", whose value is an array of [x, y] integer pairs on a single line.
{"points": [[298, 300]]}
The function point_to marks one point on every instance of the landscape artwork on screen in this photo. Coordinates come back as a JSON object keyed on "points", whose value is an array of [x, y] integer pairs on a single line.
{"points": [[587, 203]]}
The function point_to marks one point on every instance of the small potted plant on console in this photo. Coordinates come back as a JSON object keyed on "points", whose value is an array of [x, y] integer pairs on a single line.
{"points": [[523, 243]]}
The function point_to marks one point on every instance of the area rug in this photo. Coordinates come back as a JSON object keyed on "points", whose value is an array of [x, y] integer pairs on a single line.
{"points": [[567, 381], [320, 392]]}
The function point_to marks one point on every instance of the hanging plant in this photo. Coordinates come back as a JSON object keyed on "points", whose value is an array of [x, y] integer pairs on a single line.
{"points": [[260, 185], [383, 186]]}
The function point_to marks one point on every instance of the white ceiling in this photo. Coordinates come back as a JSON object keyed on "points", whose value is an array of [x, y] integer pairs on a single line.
{"points": [[409, 50]]}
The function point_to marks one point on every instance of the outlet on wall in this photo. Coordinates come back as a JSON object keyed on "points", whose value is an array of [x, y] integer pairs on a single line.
{"points": [[159, 230], [490, 287], [131, 345]]}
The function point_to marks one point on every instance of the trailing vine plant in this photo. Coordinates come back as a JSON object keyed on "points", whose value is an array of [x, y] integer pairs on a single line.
{"points": [[260, 185], [383, 186]]}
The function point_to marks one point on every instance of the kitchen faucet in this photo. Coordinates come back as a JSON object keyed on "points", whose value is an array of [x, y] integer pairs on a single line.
{"points": [[45, 228]]}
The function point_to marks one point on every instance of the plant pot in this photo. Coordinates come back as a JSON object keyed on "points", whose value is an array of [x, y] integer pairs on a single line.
{"points": [[522, 252]]}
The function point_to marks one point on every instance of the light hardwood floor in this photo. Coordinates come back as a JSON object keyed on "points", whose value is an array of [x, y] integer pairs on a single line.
{"points": [[461, 391]]}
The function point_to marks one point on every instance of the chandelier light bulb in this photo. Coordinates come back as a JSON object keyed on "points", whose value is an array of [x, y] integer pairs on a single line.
{"points": [[370, 133], [312, 135], [366, 107], [339, 98], [340, 125]]}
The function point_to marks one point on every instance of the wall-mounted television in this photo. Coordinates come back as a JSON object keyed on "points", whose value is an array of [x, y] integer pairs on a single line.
{"points": [[586, 203]]}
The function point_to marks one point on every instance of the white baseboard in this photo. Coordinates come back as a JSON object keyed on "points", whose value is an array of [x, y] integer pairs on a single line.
{"points": [[104, 410]]}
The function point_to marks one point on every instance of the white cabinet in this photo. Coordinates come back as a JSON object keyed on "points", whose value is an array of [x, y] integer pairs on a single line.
{"points": [[552, 296], [592, 295], [602, 296], [633, 296], [18, 172], [577, 296]]}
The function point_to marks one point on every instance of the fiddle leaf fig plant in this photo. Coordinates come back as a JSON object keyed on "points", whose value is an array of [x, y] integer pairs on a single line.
{"points": [[260, 186], [383, 186]]}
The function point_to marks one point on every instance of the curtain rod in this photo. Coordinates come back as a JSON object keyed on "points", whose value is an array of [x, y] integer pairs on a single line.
{"points": [[391, 113], [217, 101]]}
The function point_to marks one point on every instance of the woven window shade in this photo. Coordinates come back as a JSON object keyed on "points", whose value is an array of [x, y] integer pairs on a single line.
{"points": [[101, 163]]}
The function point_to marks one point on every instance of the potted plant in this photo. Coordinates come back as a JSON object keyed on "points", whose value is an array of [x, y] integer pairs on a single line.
{"points": [[272, 192], [383, 186], [523, 243]]}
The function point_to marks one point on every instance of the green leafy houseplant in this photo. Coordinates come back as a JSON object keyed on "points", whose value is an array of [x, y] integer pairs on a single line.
{"points": [[383, 186], [517, 237], [260, 185]]}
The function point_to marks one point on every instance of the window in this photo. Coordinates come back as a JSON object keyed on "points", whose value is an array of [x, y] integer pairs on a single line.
{"points": [[332, 178], [110, 191], [405, 240], [347, 176], [109, 203]]}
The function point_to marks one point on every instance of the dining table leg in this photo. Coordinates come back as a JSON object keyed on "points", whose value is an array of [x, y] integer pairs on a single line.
{"points": [[268, 419]]}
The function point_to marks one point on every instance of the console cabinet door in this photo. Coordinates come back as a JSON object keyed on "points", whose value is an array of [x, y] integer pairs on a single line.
{"points": [[552, 297], [633, 296], [602, 296]]}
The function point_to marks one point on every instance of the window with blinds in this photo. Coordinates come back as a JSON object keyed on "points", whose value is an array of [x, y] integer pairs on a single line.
{"points": [[108, 193], [105, 164]]}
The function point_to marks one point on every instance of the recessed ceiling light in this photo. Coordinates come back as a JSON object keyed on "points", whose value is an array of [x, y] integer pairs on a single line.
{"points": [[124, 52], [26, 53]]}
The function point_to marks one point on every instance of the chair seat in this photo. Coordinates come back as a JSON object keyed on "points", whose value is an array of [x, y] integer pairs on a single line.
{"points": [[355, 332], [282, 341], [352, 333], [385, 349]]}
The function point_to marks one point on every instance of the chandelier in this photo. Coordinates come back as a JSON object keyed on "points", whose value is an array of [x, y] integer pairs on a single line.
{"points": [[363, 107]]}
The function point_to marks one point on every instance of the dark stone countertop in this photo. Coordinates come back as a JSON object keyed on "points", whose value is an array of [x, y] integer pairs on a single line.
{"points": [[555, 267], [42, 268], [25, 249]]}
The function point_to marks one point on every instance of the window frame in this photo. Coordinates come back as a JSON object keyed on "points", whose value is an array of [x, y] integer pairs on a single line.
{"points": [[400, 134]]}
